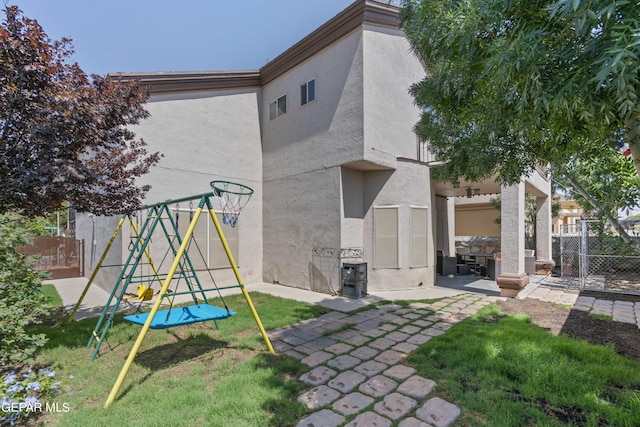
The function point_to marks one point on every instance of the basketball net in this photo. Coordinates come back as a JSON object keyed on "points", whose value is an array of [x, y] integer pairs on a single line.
{"points": [[232, 197]]}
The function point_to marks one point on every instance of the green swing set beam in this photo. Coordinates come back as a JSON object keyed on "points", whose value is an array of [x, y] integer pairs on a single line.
{"points": [[126, 276]]}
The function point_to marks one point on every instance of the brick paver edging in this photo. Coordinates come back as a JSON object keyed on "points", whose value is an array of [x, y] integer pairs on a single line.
{"points": [[619, 311], [356, 368]]}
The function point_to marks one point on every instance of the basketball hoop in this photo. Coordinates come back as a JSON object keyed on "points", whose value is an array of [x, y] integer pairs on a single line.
{"points": [[233, 197]]}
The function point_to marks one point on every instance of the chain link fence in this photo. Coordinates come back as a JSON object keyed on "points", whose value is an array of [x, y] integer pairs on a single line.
{"points": [[594, 257], [608, 262], [570, 235]]}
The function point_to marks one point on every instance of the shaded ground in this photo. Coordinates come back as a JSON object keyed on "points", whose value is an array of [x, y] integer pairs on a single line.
{"points": [[622, 282], [625, 338], [614, 281]]}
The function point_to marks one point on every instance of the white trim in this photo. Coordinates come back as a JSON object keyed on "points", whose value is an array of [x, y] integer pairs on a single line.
{"points": [[315, 91], [275, 101]]}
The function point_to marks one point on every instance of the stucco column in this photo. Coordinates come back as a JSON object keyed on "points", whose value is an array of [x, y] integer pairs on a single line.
{"points": [[544, 258], [450, 240], [512, 277]]}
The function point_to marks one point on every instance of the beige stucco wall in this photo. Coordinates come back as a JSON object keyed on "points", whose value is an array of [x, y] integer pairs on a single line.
{"points": [[386, 188], [477, 221], [203, 136], [302, 151], [389, 116], [325, 132], [328, 163]]}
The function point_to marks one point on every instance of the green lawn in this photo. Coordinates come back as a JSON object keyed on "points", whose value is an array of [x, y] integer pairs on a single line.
{"points": [[50, 293], [503, 370], [500, 369], [189, 376]]}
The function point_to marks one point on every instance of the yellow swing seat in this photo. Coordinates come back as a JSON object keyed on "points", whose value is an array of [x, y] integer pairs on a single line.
{"points": [[145, 293]]}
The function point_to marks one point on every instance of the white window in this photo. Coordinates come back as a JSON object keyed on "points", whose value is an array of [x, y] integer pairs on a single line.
{"points": [[419, 228], [385, 234], [206, 251], [278, 107], [308, 92]]}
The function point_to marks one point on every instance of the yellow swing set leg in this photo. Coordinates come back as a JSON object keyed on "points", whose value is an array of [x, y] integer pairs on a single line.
{"points": [[154, 309], [95, 271], [239, 279]]}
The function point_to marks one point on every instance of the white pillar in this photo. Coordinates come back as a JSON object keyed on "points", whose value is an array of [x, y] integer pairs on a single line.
{"points": [[544, 242], [512, 277], [450, 242], [543, 228]]}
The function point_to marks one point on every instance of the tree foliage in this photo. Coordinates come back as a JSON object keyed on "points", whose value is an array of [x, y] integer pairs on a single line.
{"points": [[513, 84], [63, 135], [610, 184], [21, 299]]}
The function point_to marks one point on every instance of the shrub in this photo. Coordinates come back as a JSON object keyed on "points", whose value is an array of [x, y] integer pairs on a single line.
{"points": [[26, 393], [21, 300]]}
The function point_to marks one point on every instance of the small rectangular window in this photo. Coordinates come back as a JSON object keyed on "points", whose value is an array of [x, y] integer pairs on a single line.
{"points": [[308, 92], [278, 107], [273, 110]]}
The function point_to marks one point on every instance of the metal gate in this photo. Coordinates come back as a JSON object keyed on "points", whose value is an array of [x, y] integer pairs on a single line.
{"points": [[594, 257], [62, 257], [570, 238]]}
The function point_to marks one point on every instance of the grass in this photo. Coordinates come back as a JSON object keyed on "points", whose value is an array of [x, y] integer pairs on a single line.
{"points": [[190, 376], [502, 370], [601, 316], [50, 293], [569, 306]]}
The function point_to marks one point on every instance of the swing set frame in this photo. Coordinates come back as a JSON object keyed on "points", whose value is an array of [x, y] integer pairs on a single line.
{"points": [[197, 313]]}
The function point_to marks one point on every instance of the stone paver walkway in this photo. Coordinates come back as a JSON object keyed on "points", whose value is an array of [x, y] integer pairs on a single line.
{"points": [[619, 311], [356, 369], [355, 360]]}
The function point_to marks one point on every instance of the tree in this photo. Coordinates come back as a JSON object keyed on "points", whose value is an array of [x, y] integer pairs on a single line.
{"points": [[64, 136], [510, 85], [602, 187], [21, 300]]}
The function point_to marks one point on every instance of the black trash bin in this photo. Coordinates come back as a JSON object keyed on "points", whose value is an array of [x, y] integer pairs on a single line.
{"points": [[354, 280]]}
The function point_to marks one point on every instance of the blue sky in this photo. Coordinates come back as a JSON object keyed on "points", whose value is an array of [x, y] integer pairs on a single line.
{"points": [[193, 35]]}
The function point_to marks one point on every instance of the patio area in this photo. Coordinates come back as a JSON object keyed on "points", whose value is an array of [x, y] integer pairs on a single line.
{"points": [[480, 285]]}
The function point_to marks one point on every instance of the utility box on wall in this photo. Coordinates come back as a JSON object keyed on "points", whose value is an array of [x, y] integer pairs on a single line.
{"points": [[354, 280]]}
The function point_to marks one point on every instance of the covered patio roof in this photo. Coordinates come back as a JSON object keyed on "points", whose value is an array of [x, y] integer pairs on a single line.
{"points": [[462, 188]]}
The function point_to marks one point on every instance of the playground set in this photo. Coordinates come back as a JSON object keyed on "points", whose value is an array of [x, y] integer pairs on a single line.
{"points": [[232, 198]]}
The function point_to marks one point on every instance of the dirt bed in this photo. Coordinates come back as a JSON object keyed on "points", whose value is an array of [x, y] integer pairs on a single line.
{"points": [[624, 337]]}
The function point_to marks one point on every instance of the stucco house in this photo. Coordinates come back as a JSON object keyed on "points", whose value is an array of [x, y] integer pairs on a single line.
{"points": [[569, 216], [323, 134]]}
